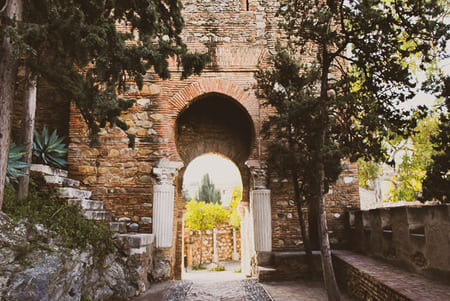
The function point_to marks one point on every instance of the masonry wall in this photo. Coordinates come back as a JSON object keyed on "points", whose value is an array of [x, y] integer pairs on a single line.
{"points": [[237, 35], [224, 242], [414, 237]]}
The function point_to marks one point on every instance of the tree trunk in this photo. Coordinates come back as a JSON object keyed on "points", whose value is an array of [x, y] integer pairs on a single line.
{"points": [[201, 247], [306, 242], [8, 71], [319, 182], [29, 110]]}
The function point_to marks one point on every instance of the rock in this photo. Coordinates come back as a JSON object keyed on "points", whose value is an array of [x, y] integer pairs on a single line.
{"points": [[162, 269], [53, 272]]}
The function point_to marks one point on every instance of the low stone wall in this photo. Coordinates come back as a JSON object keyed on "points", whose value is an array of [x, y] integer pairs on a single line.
{"points": [[361, 285], [224, 245], [414, 237]]}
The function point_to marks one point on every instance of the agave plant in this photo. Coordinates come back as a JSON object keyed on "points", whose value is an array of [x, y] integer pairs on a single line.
{"points": [[49, 149], [13, 171]]}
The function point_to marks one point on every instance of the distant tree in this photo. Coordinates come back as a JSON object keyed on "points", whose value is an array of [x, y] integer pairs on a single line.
{"points": [[437, 182], [235, 218], [207, 191], [347, 95], [201, 216], [416, 160], [89, 51]]}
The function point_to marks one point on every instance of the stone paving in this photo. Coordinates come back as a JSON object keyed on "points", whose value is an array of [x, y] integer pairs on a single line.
{"points": [[221, 286]]}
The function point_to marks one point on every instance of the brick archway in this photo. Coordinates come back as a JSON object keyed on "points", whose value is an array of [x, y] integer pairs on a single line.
{"points": [[187, 95]]}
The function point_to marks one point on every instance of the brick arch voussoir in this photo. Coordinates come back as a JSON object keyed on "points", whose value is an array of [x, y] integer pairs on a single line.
{"points": [[204, 86]]}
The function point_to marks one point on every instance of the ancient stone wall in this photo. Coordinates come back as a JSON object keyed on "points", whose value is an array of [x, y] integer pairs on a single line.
{"points": [[224, 243], [238, 36], [413, 237]]}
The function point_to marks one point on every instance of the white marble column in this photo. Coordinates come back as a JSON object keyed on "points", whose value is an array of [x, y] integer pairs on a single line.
{"points": [[215, 258], [163, 202], [260, 207], [262, 219]]}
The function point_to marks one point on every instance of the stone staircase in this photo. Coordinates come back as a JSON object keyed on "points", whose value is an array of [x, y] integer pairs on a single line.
{"points": [[70, 190], [138, 247]]}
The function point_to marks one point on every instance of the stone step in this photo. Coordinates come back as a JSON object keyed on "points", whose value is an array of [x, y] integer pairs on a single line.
{"points": [[266, 274], [118, 227], [137, 240], [86, 204], [47, 170], [97, 215], [62, 181], [74, 193]]}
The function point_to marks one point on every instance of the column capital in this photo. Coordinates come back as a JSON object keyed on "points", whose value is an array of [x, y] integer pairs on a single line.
{"points": [[167, 170], [258, 169]]}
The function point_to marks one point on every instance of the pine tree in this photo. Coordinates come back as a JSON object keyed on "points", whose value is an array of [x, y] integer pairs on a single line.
{"points": [[207, 191], [347, 97], [89, 51]]}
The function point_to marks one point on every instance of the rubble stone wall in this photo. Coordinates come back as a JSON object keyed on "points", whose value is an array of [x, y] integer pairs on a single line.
{"points": [[224, 243]]}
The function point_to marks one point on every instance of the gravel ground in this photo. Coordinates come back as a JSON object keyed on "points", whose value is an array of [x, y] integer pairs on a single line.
{"points": [[233, 290]]}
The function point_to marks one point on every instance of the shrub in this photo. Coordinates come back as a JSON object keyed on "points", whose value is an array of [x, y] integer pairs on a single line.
{"points": [[196, 267], [44, 207], [13, 171], [217, 268]]}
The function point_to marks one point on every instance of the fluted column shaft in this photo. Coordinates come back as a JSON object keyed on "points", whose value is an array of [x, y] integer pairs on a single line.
{"points": [[262, 219], [163, 204]]}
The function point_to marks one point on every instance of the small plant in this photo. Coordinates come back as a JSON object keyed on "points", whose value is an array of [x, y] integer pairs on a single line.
{"points": [[217, 268], [197, 267], [44, 207], [237, 271], [13, 172], [49, 149]]}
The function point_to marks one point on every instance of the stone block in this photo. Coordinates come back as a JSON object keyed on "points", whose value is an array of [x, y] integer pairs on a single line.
{"points": [[47, 170], [61, 181], [137, 240], [73, 193]]}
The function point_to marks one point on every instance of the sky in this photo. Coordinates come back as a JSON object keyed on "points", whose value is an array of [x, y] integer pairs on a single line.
{"points": [[222, 171]]}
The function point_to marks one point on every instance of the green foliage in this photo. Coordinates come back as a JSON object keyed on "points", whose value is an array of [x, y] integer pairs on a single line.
{"points": [[201, 216], [437, 182], [91, 50], [44, 207], [49, 149], [217, 268], [235, 218], [13, 171], [367, 171], [237, 271], [207, 191], [197, 267], [416, 160]]}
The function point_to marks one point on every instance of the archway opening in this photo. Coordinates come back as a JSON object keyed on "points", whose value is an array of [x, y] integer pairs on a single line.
{"points": [[212, 189], [220, 127]]}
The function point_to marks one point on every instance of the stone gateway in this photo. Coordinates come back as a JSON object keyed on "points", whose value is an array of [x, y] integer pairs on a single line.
{"points": [[176, 121]]}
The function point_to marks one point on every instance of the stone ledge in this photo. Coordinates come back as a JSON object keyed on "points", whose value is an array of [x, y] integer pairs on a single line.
{"points": [[45, 169], [62, 181], [137, 240], [74, 193]]}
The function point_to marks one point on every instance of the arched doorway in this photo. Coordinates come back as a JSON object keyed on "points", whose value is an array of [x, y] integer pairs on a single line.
{"points": [[214, 123]]}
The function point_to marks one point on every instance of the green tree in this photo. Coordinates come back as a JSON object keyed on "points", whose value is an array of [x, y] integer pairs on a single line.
{"points": [[90, 51], [207, 191], [202, 216], [347, 96], [235, 218], [437, 182], [417, 158]]}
